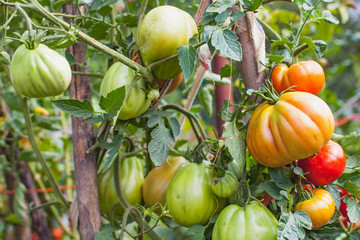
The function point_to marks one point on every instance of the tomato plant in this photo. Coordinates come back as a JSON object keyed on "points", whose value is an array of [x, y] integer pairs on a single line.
{"points": [[225, 186], [39, 72], [254, 222], [295, 127], [326, 166], [305, 76], [320, 208], [57, 232]]}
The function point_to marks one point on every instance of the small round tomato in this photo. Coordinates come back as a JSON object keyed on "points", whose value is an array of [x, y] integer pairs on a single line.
{"points": [[254, 222], [140, 97], [320, 208], [326, 166], [158, 37], [57, 232], [39, 72], [305, 76], [190, 198], [295, 127], [131, 182], [157, 181], [225, 186]]}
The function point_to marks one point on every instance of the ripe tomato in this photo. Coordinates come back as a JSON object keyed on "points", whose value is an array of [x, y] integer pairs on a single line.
{"points": [[320, 208], [254, 222], [157, 181], [175, 83], [295, 127], [141, 95], [159, 37], [305, 76], [225, 186], [57, 232], [189, 196], [326, 166], [39, 72], [131, 182]]}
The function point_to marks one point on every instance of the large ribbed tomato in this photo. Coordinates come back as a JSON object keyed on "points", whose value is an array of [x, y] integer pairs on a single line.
{"points": [[158, 179], [305, 76], [160, 33], [190, 198], [295, 127], [255, 222], [39, 72], [131, 182], [327, 166], [140, 96], [320, 208]]}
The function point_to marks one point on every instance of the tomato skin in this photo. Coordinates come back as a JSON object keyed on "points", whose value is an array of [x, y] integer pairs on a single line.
{"points": [[295, 127], [57, 232], [326, 166], [159, 38], [138, 101], [157, 181], [225, 186], [305, 76], [131, 182], [320, 208], [175, 83], [255, 222], [40, 72], [189, 197]]}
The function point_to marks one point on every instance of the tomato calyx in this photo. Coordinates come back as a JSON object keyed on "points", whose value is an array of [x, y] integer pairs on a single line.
{"points": [[266, 92]]}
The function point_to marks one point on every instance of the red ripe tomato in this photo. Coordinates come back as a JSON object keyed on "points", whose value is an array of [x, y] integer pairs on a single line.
{"points": [[57, 232], [305, 76], [326, 166]]}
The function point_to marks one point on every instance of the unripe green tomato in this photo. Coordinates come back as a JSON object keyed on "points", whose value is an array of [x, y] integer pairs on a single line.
{"points": [[255, 222], [189, 197], [160, 33], [140, 96], [131, 182], [225, 186], [39, 72]]}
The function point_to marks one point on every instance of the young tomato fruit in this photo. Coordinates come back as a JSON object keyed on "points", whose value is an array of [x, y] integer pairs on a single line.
{"points": [[158, 38], [157, 181], [39, 72], [254, 222], [306, 76], [225, 186], [326, 166], [295, 127], [320, 208]]}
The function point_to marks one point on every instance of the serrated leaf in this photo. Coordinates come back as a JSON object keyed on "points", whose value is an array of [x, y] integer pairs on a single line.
{"points": [[227, 42], [208, 30], [206, 100], [288, 228], [19, 202], [106, 233], [128, 20], [328, 17], [252, 5], [5, 58], [320, 48], [75, 107], [221, 18], [161, 140], [227, 71], [59, 3], [272, 190], [235, 143], [353, 209], [220, 6], [196, 232], [303, 219], [98, 4], [113, 100], [280, 179], [237, 15], [207, 18], [187, 56], [94, 120], [153, 121], [333, 190], [113, 151], [175, 126], [353, 187]]}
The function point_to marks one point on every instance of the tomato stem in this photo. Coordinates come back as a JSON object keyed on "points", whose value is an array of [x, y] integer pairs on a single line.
{"points": [[29, 25], [142, 11]]}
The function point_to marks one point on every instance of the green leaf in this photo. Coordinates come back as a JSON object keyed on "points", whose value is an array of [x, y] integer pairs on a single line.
{"points": [[175, 126], [113, 151], [289, 227], [237, 15], [227, 42], [206, 100], [75, 107], [208, 31], [235, 142], [303, 219], [352, 138], [57, 4], [207, 18], [106, 233], [353, 187], [221, 18], [353, 209], [5, 58], [127, 20], [98, 4], [227, 71], [333, 190], [252, 5], [153, 121], [272, 190], [113, 102], [187, 56], [19, 202], [320, 48], [280, 179], [328, 17], [161, 140], [220, 6], [196, 232]]}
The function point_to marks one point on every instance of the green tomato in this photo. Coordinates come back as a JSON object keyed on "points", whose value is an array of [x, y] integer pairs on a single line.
{"points": [[234, 167], [39, 72], [225, 186], [131, 182], [160, 33], [189, 197], [255, 222], [140, 96]]}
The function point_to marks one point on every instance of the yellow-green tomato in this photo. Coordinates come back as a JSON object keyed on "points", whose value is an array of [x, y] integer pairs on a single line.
{"points": [[225, 186], [255, 222], [140, 96], [160, 33], [189, 197], [39, 72], [131, 182]]}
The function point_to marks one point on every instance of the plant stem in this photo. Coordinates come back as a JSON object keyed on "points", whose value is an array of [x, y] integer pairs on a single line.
{"points": [[299, 49], [44, 205], [96, 75], [29, 128], [142, 11], [28, 23]]}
